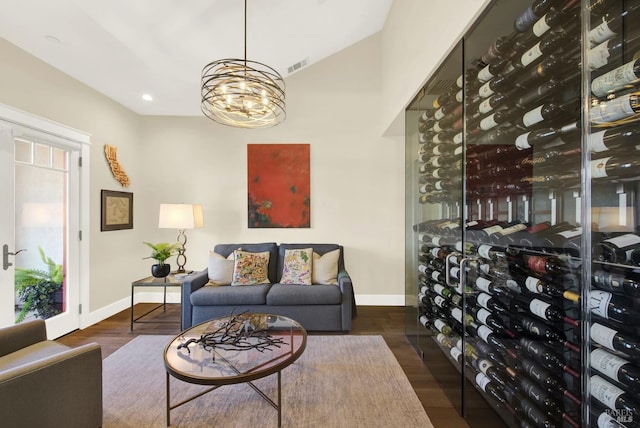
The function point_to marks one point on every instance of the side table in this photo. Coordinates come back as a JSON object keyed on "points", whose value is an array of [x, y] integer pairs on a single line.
{"points": [[150, 281]]}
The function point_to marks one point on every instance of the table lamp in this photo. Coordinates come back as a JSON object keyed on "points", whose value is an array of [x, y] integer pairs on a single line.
{"points": [[181, 217]]}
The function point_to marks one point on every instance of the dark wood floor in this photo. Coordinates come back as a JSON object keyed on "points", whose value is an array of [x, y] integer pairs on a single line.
{"points": [[388, 322]]}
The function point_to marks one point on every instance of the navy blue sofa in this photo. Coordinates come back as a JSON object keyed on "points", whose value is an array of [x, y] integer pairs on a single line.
{"points": [[316, 307]]}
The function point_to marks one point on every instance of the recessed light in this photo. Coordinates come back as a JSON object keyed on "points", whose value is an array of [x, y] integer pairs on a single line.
{"points": [[147, 97], [52, 39]]}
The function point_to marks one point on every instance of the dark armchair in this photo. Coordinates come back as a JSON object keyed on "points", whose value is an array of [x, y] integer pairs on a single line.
{"points": [[46, 384]]}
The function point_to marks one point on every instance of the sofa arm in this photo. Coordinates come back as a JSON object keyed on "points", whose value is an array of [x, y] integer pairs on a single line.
{"points": [[20, 336], [348, 300], [47, 392], [191, 283]]}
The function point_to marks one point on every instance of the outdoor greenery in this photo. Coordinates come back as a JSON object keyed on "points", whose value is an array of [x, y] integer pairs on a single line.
{"points": [[36, 288]]}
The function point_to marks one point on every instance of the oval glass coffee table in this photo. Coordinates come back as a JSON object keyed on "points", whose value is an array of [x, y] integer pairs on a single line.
{"points": [[231, 350]]}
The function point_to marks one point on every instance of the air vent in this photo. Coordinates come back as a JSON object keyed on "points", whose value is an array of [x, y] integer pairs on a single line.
{"points": [[439, 86], [298, 65]]}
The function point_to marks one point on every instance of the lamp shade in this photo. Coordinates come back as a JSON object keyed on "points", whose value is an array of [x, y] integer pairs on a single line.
{"points": [[180, 216]]}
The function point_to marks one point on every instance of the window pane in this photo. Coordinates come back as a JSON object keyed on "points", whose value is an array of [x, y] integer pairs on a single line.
{"points": [[43, 157], [60, 159], [23, 151]]}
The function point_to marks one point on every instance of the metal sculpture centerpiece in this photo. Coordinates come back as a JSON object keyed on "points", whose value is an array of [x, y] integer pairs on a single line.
{"points": [[239, 333]]}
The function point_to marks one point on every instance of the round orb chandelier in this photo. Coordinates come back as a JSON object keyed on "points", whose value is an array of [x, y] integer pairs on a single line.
{"points": [[242, 93]]}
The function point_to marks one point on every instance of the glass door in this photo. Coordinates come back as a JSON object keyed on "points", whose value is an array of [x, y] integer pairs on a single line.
{"points": [[524, 225], [41, 229], [612, 358], [434, 189]]}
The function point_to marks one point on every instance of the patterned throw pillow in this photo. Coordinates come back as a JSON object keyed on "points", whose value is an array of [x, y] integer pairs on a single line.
{"points": [[220, 269], [250, 268], [297, 266], [325, 267]]}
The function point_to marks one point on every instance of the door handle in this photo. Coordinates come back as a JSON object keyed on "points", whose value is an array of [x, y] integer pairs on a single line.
{"points": [[5, 256]]}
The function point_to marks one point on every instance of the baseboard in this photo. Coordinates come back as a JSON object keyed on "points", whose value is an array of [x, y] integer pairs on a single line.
{"points": [[104, 312]]}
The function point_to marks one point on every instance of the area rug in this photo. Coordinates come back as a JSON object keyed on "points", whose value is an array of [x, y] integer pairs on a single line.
{"points": [[339, 381]]}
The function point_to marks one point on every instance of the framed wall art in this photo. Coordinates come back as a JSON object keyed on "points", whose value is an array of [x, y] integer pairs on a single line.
{"points": [[278, 186], [117, 210]]}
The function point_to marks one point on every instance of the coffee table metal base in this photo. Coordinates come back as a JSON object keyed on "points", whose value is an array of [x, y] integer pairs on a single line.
{"points": [[277, 406]]}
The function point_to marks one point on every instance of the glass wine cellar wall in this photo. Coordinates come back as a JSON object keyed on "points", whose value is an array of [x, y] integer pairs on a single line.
{"points": [[522, 240]]}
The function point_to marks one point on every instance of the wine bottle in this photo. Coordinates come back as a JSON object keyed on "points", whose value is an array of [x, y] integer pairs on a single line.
{"points": [[611, 25], [543, 377], [540, 329], [542, 136], [535, 415], [546, 265], [546, 310], [557, 64], [542, 354], [492, 390], [610, 51], [617, 249], [553, 17], [488, 319], [616, 368], [614, 167], [532, 13], [496, 118], [497, 50], [547, 288], [619, 108], [617, 79], [612, 307], [551, 111], [603, 418], [627, 283], [442, 326], [492, 338], [552, 41], [490, 303], [615, 340], [487, 368], [615, 138], [491, 70], [497, 99], [613, 397], [541, 398]]}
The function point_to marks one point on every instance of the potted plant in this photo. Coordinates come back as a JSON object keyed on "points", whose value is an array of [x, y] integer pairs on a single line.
{"points": [[161, 252], [40, 290]]}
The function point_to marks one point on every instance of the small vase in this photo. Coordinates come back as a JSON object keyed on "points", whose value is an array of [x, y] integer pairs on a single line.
{"points": [[160, 271]]}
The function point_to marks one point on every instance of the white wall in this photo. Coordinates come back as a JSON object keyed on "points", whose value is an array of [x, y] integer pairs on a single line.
{"points": [[356, 175], [416, 37]]}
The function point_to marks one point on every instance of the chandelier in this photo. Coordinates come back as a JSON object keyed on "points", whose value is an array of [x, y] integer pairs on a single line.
{"points": [[242, 93]]}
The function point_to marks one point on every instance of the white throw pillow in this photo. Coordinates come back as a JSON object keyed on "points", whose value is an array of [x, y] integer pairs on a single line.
{"points": [[325, 268], [220, 269]]}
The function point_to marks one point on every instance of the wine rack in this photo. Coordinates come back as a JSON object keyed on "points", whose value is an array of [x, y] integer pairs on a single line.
{"points": [[523, 156]]}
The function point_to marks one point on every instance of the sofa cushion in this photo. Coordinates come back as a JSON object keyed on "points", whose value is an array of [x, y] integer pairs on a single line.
{"points": [[286, 294], [325, 268], [297, 266], [220, 270], [250, 268], [225, 296], [226, 249]]}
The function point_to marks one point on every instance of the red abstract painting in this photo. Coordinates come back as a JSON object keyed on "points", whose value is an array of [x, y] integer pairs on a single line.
{"points": [[278, 185]]}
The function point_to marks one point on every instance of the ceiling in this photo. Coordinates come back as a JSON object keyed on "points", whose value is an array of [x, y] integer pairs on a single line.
{"points": [[127, 48]]}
